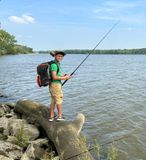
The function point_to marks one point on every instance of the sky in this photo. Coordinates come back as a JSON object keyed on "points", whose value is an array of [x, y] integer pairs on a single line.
{"points": [[75, 24]]}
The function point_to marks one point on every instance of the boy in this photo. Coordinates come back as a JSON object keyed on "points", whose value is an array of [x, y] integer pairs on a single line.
{"points": [[55, 86]]}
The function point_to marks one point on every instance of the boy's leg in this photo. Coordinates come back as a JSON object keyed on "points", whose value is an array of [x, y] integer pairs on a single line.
{"points": [[59, 108], [57, 97], [52, 107]]}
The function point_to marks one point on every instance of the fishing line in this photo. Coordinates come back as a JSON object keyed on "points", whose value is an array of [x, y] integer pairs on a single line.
{"points": [[92, 50]]}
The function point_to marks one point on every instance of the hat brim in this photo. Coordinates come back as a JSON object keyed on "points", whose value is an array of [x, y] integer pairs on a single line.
{"points": [[54, 53]]}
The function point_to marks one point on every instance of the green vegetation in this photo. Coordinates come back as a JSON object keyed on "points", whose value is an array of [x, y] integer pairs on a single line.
{"points": [[116, 51], [112, 153], [48, 155], [8, 45], [20, 138], [98, 152], [111, 51]]}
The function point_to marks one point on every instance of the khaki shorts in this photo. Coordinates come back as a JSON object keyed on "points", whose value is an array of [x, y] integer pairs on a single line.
{"points": [[56, 93]]}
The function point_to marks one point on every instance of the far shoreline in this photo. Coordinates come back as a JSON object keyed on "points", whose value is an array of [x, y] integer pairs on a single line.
{"points": [[140, 51], [100, 51]]}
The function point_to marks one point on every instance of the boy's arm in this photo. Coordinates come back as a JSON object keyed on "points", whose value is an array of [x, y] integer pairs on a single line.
{"points": [[55, 77]]}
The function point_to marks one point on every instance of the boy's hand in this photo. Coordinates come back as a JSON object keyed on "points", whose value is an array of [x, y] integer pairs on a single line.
{"points": [[67, 76]]}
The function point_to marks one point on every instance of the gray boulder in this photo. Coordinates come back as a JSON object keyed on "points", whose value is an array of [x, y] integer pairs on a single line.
{"points": [[64, 135], [29, 130], [5, 158], [35, 150], [4, 126], [10, 150]]}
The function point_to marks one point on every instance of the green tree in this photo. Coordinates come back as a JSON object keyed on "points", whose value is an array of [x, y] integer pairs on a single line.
{"points": [[7, 42], [8, 45]]}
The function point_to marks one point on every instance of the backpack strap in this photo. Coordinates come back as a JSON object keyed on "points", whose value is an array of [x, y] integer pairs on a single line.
{"points": [[53, 62]]}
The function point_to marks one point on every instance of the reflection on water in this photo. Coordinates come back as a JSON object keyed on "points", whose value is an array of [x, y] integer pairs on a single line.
{"points": [[110, 90]]}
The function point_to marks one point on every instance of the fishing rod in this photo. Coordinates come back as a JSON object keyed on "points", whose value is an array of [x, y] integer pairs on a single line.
{"points": [[93, 50]]}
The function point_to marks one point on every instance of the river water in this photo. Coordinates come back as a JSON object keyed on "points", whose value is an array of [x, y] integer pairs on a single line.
{"points": [[110, 90]]}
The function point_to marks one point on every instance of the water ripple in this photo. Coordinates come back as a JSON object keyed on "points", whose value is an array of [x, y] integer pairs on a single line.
{"points": [[110, 90]]}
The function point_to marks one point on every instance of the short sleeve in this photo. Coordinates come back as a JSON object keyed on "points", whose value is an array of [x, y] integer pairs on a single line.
{"points": [[53, 67]]}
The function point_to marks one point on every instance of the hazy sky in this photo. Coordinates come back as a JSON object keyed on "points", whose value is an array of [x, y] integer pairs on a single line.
{"points": [[75, 24]]}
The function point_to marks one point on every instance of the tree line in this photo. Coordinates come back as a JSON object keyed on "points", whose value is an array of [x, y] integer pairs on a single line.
{"points": [[110, 51], [8, 45]]}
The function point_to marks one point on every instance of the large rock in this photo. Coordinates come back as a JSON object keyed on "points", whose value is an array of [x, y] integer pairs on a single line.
{"points": [[21, 125], [64, 135], [4, 109], [5, 158], [4, 126], [7, 110], [35, 150], [11, 105], [10, 150], [2, 112]]}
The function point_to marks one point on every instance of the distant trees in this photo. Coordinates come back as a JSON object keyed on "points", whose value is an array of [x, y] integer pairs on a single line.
{"points": [[111, 51], [8, 44]]}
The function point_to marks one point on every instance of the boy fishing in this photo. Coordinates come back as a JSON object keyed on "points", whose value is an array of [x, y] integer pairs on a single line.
{"points": [[55, 87]]}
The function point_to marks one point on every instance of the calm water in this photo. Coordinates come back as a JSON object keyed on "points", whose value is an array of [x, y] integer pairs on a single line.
{"points": [[110, 90]]}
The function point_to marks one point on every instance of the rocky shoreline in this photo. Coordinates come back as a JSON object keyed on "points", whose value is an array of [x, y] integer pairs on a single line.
{"points": [[26, 134], [22, 140]]}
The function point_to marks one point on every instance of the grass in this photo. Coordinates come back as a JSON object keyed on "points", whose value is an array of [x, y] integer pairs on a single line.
{"points": [[20, 138], [97, 150], [48, 156], [112, 152]]}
